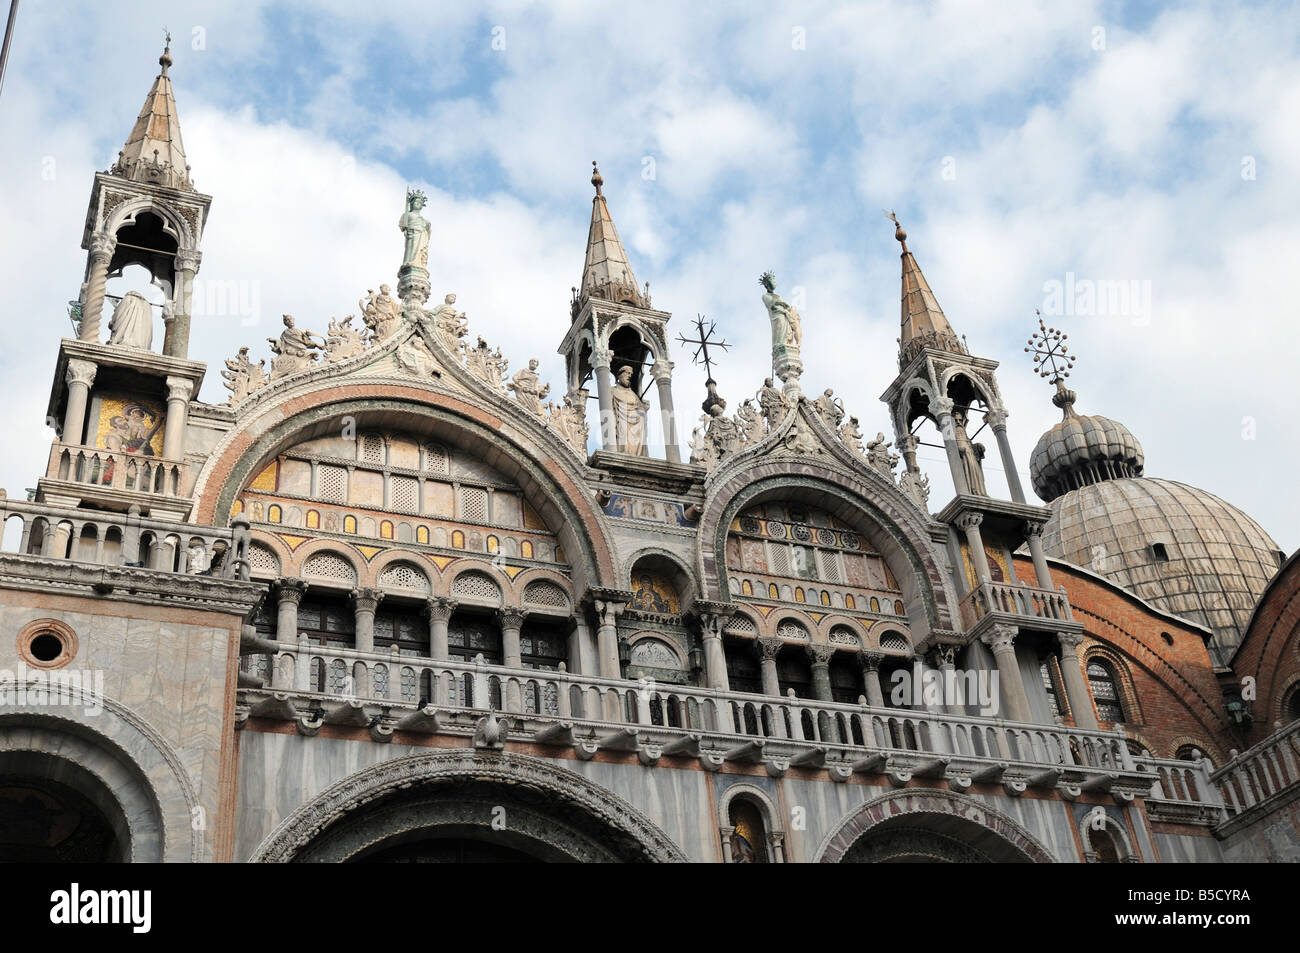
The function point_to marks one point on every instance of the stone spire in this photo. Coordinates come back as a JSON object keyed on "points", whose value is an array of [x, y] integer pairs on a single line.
{"points": [[923, 321], [606, 273], [153, 152]]}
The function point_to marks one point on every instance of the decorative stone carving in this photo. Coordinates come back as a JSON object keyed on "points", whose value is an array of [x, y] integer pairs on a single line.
{"points": [[449, 324], [879, 457], [787, 336], [440, 609], [528, 389], [569, 420], [772, 404], [80, 372], [769, 647], [916, 486], [242, 376], [830, 408], [486, 364], [851, 436], [799, 439], [414, 357], [381, 313], [179, 388], [415, 228], [132, 322], [629, 415], [972, 454], [749, 423], [295, 349], [342, 341]]}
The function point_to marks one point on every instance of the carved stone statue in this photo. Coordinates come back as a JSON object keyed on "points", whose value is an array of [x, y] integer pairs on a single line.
{"points": [[970, 454], [749, 423], [569, 420], [879, 456], [486, 364], [528, 389], [787, 324], [132, 322], [629, 415], [772, 403], [342, 340], [799, 439], [416, 229], [242, 376], [723, 432], [381, 313], [449, 324], [294, 350], [830, 409], [917, 487], [851, 435], [414, 357]]}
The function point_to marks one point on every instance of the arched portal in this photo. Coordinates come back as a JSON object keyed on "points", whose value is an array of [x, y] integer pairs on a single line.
{"points": [[463, 804]]}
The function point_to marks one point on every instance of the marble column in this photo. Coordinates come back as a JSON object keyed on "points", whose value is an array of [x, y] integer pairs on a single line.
{"points": [[1034, 534], [512, 621], [715, 657], [600, 361], [607, 613], [870, 662], [79, 377], [176, 341], [439, 611], [820, 655], [364, 604], [768, 649], [179, 390], [943, 408], [663, 375], [288, 594], [102, 247], [997, 419], [1002, 640], [1076, 688], [970, 525]]}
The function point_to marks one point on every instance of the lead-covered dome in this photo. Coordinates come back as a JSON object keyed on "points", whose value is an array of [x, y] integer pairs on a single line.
{"points": [[1081, 451]]}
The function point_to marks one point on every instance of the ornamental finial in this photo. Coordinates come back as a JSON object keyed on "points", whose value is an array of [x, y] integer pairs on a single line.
{"points": [[596, 178]]}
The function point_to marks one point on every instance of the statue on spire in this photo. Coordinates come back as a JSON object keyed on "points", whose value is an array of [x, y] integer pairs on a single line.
{"points": [[787, 335], [416, 228]]}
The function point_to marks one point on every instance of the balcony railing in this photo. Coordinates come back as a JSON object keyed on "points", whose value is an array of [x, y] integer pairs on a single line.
{"points": [[93, 466], [1005, 599], [1258, 775], [316, 685], [106, 538], [1183, 792]]}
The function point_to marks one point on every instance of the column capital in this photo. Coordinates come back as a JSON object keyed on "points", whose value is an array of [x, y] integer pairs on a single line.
{"points": [[80, 372], [711, 616], [440, 608], [102, 245], [366, 600], [1070, 641], [179, 388], [941, 655], [188, 260], [870, 661], [943, 406], [820, 654], [662, 370], [969, 520], [997, 418], [290, 589], [769, 646], [1034, 528], [600, 357], [512, 617], [1000, 638], [907, 442]]}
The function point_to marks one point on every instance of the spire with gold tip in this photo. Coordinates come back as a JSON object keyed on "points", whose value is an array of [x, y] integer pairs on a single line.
{"points": [[923, 321], [606, 272]]}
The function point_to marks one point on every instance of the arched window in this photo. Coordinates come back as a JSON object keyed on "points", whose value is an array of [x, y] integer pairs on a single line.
{"points": [[749, 833], [1105, 691], [1291, 707], [1188, 753], [1104, 846]]}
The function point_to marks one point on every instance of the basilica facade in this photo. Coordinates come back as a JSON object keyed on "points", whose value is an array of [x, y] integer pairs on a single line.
{"points": [[399, 599]]}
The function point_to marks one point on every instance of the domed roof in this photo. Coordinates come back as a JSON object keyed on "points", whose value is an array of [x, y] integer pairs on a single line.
{"points": [[1182, 549], [1081, 450]]}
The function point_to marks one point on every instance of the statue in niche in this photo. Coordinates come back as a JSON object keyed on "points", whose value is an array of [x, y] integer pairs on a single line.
{"points": [[342, 341], [415, 357], [971, 454], [787, 324], [132, 322], [381, 313], [830, 408], [629, 415], [242, 376], [878, 455], [772, 403], [528, 389], [415, 227], [295, 349], [569, 419], [450, 324]]}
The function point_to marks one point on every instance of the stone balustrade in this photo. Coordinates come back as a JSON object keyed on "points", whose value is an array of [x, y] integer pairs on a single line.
{"points": [[107, 538], [1183, 793], [1027, 602], [1260, 775], [91, 466], [315, 685]]}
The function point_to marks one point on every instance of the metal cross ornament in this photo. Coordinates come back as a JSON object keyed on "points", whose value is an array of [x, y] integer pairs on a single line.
{"points": [[1051, 355], [702, 344]]}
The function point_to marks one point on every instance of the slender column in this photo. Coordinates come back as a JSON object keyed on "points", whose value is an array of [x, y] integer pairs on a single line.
{"points": [[997, 419], [821, 685], [179, 390], [663, 375], [289, 593], [607, 613], [1034, 532], [102, 247], [512, 620], [605, 395], [439, 611], [715, 659], [948, 428], [970, 524], [768, 648], [364, 604], [176, 342], [1076, 689], [80, 376], [1002, 640], [870, 662]]}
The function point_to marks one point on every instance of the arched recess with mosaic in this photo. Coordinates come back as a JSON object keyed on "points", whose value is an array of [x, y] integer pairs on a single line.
{"points": [[659, 646]]}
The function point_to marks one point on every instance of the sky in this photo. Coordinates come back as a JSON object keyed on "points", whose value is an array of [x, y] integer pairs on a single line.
{"points": [[1026, 147]]}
